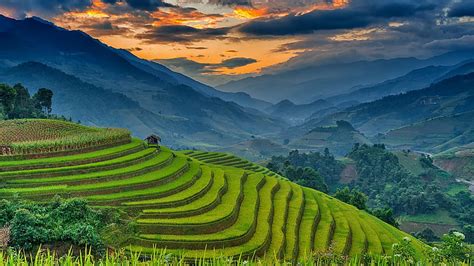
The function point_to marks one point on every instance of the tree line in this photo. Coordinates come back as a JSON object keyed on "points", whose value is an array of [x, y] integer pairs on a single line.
{"points": [[383, 187], [16, 102]]}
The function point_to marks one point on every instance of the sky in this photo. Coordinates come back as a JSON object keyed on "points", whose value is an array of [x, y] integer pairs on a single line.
{"points": [[216, 41]]}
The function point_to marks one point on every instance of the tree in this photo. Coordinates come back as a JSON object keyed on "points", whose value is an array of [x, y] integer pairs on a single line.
{"points": [[427, 234], [312, 179], [44, 99], [22, 106], [359, 199], [469, 233], [343, 195], [16, 102], [386, 215], [353, 197], [7, 98]]}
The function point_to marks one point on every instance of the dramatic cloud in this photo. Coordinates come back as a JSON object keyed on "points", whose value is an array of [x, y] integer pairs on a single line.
{"points": [[192, 67], [22, 8], [462, 9], [236, 62], [462, 43], [105, 28], [358, 14], [148, 5], [231, 2], [308, 23], [181, 34], [263, 36]]}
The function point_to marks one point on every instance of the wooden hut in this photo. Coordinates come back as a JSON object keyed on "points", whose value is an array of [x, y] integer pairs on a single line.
{"points": [[153, 140]]}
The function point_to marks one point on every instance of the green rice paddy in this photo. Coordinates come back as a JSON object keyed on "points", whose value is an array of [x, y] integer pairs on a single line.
{"points": [[201, 201]]}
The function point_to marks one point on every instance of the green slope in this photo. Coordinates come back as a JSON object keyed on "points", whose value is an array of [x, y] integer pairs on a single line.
{"points": [[201, 201]]}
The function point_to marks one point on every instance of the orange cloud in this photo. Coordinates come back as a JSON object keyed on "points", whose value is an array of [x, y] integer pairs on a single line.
{"points": [[336, 4], [250, 13], [188, 17]]}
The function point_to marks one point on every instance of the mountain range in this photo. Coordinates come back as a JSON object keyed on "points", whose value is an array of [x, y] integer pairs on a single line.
{"points": [[308, 84], [150, 97], [104, 86]]}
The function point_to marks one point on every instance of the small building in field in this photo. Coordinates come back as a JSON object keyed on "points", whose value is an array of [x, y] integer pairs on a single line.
{"points": [[153, 140], [5, 150]]}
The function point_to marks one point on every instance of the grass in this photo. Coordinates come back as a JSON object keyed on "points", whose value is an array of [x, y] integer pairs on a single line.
{"points": [[213, 196], [292, 225], [454, 189], [439, 217], [202, 258], [188, 178], [74, 169], [386, 238], [224, 210], [374, 246], [206, 180], [308, 224], [178, 163], [281, 201], [152, 163], [324, 229], [342, 232], [225, 159], [258, 243], [359, 241], [73, 159]]}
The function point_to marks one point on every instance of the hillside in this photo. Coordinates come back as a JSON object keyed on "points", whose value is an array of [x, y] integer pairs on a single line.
{"points": [[445, 98], [458, 161], [435, 135], [198, 200], [322, 81], [145, 95], [414, 80], [294, 113], [339, 139], [257, 149]]}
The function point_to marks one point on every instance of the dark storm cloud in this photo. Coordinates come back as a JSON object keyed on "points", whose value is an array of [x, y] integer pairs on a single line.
{"points": [[145, 5], [308, 23], [44, 7], [358, 14], [148, 5], [236, 62], [192, 67], [105, 28], [181, 34], [186, 65], [231, 2], [462, 9]]}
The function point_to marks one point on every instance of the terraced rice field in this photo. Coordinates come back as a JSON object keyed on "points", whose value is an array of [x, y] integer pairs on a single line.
{"points": [[202, 202], [35, 137], [224, 159]]}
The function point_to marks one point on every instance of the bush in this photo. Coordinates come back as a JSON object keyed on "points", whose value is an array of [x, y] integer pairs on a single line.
{"points": [[453, 247], [60, 221]]}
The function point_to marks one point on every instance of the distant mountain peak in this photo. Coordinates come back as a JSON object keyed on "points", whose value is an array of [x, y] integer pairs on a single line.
{"points": [[285, 102], [38, 19]]}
